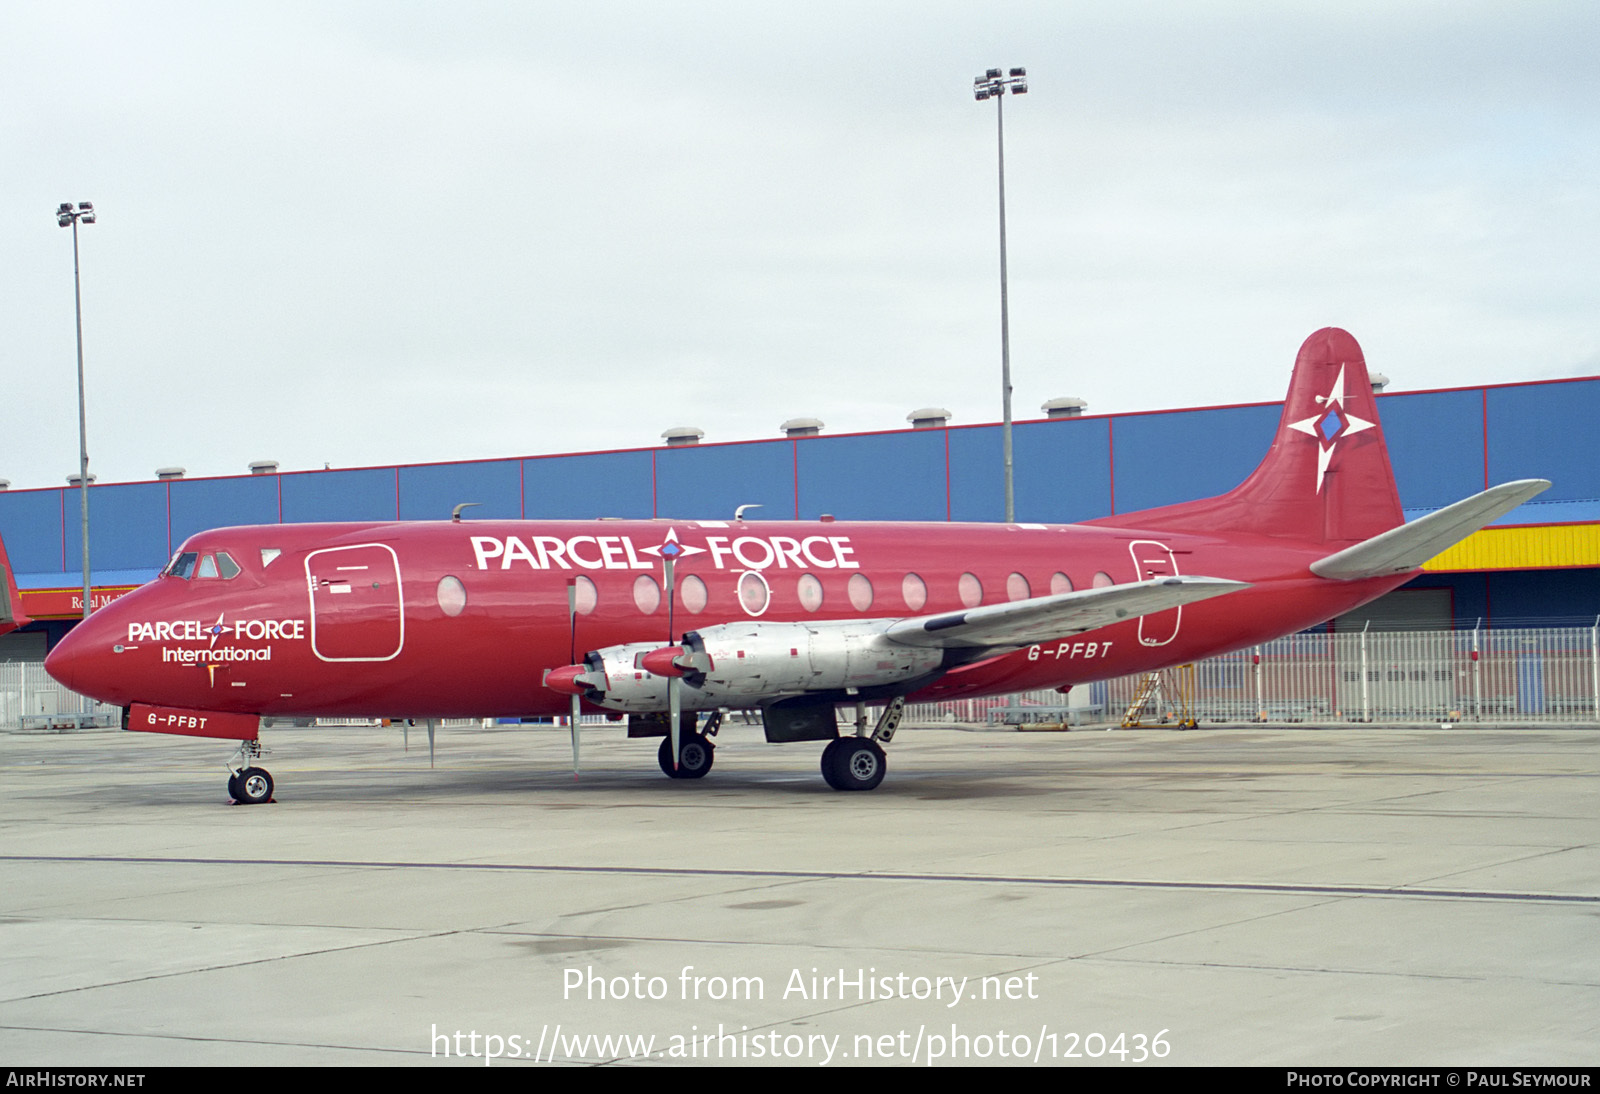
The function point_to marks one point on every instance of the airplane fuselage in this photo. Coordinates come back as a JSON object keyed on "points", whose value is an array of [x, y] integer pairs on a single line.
{"points": [[463, 619]]}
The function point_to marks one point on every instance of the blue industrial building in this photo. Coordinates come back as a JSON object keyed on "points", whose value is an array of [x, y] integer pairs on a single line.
{"points": [[1444, 445]]}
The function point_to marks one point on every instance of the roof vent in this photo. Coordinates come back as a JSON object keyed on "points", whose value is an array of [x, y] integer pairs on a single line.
{"points": [[681, 435], [76, 479], [1064, 407], [264, 467], [5, 484], [929, 417], [167, 474], [802, 427], [1379, 381]]}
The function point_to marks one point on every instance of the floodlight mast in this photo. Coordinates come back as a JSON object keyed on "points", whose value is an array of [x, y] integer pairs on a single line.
{"points": [[993, 85], [67, 216]]}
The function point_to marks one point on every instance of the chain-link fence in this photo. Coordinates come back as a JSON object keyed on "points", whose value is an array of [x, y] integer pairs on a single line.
{"points": [[1532, 675]]}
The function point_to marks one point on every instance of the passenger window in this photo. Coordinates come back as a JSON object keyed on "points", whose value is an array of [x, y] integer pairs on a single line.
{"points": [[915, 592], [810, 592], [646, 594], [971, 590], [859, 588]]}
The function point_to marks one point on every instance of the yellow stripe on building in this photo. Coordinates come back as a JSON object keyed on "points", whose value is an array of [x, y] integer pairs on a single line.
{"points": [[1532, 548]]}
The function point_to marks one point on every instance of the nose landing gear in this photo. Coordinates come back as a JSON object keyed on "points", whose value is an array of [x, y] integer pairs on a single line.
{"points": [[248, 784]]}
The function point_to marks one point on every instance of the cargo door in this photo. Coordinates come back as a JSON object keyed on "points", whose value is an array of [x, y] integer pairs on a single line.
{"points": [[1154, 560], [357, 607]]}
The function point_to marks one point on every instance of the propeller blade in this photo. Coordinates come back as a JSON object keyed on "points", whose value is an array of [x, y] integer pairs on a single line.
{"points": [[575, 703], [674, 703]]}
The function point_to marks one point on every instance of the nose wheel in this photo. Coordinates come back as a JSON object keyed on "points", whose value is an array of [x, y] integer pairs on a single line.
{"points": [[248, 784], [252, 786]]}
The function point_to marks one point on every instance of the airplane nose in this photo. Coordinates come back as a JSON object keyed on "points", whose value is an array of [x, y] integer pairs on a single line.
{"points": [[86, 660], [62, 663]]}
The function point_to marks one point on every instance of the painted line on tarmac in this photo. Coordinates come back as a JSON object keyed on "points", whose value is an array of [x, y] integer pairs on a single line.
{"points": [[1268, 888]]}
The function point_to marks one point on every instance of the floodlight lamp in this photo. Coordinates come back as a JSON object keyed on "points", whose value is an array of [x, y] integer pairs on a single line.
{"points": [[1019, 89], [86, 206], [980, 94], [64, 209], [992, 74], [1019, 72], [87, 218]]}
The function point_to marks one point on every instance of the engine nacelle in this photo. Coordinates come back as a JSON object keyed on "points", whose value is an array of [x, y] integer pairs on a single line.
{"points": [[747, 664]]}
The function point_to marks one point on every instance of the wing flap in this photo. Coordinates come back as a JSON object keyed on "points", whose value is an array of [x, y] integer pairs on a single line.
{"points": [[1041, 618], [1402, 549]]}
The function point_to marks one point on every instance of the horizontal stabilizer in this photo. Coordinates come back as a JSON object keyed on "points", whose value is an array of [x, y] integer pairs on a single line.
{"points": [[1402, 549], [1023, 622]]}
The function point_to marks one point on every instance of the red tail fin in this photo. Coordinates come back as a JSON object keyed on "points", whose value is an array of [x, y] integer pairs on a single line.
{"points": [[1326, 478], [11, 613]]}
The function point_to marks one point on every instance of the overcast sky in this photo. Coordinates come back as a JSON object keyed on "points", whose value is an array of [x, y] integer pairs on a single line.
{"points": [[365, 233]]}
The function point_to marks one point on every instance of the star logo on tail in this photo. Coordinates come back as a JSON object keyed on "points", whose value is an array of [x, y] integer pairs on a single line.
{"points": [[1331, 426]]}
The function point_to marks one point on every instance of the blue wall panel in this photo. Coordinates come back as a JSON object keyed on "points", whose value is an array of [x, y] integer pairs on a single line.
{"points": [[1435, 444], [977, 475], [1544, 597], [1166, 458], [367, 494], [431, 491], [127, 528], [713, 481], [882, 476], [1062, 472], [1547, 431], [30, 521], [606, 484], [201, 504]]}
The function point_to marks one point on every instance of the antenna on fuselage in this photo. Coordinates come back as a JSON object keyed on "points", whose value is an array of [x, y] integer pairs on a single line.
{"points": [[738, 514], [455, 514]]}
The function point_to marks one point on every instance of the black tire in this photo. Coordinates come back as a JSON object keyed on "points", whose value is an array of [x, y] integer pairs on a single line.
{"points": [[858, 764], [830, 756], [695, 756], [255, 786], [234, 790]]}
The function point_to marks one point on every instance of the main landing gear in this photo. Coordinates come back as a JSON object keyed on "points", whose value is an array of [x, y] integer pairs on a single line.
{"points": [[248, 784], [858, 762], [695, 751], [853, 763]]}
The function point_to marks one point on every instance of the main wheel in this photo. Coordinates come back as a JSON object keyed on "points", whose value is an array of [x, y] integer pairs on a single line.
{"points": [[695, 754], [830, 757], [255, 786], [858, 764], [234, 790]]}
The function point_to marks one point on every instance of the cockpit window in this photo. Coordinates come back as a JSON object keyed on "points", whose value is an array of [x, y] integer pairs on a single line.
{"points": [[182, 565], [208, 567], [226, 566]]}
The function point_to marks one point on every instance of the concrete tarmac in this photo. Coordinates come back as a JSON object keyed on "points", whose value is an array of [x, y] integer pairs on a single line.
{"points": [[1236, 895]]}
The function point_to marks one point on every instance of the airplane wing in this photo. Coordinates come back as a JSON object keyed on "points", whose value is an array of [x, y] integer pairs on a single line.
{"points": [[11, 613], [1023, 622], [1407, 547]]}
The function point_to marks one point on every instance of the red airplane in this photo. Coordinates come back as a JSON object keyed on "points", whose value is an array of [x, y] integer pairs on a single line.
{"points": [[660, 620]]}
